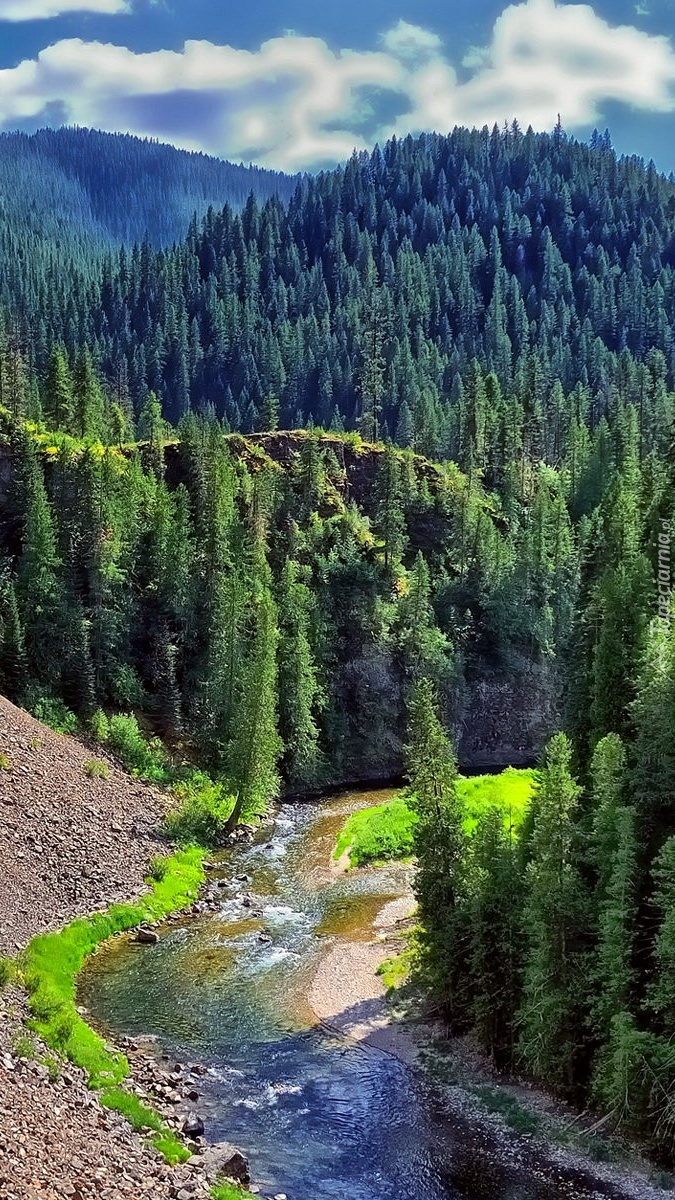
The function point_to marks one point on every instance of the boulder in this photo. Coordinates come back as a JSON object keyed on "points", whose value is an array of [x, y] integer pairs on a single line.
{"points": [[224, 1161], [147, 937], [193, 1126]]}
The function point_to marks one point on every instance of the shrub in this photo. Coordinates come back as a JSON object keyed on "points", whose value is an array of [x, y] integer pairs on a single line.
{"points": [[53, 712], [127, 689], [202, 814], [5, 764], [6, 971], [146, 759], [100, 726], [96, 770], [159, 868]]}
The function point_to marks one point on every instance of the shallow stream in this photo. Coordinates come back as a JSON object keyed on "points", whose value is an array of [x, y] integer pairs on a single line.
{"points": [[319, 1116]]}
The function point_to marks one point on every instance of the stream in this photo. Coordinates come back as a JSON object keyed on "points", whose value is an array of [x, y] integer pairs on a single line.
{"points": [[320, 1117]]}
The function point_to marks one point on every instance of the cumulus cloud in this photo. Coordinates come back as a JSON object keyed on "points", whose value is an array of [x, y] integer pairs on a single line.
{"points": [[410, 41], [295, 103], [33, 10]]}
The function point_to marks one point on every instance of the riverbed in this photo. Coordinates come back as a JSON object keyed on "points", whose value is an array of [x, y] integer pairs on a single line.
{"points": [[275, 995]]}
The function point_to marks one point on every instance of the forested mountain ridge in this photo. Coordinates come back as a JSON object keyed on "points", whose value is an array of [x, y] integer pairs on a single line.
{"points": [[366, 302], [161, 560], [504, 303]]}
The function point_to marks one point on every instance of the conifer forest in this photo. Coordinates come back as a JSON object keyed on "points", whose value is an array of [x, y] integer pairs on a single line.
{"points": [[291, 489]]}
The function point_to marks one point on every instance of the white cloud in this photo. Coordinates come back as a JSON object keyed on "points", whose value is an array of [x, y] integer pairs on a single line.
{"points": [[33, 10], [295, 103], [410, 41]]}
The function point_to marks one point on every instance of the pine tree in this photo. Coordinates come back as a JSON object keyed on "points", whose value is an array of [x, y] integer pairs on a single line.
{"points": [[440, 844], [256, 745], [389, 520], [299, 689], [496, 937], [554, 989], [59, 405], [39, 575]]}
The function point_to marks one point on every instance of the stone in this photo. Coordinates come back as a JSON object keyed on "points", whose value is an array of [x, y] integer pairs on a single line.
{"points": [[224, 1161], [193, 1126], [147, 937]]}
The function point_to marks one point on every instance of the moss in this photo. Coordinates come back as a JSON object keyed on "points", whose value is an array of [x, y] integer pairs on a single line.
{"points": [[386, 832], [96, 770]]}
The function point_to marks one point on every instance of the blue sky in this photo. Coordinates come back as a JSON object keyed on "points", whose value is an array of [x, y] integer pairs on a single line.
{"points": [[297, 85]]}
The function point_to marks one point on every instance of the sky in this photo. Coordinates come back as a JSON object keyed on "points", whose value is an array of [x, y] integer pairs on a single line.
{"points": [[298, 84]]}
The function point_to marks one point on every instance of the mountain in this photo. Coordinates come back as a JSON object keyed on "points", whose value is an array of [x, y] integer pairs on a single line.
{"points": [[366, 301], [294, 608], [69, 196]]}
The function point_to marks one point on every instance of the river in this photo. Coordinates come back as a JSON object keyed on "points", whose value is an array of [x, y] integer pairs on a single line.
{"points": [[319, 1115]]}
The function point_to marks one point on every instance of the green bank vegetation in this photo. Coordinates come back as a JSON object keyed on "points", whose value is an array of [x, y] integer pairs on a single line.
{"points": [[529, 931], [387, 830], [49, 968]]}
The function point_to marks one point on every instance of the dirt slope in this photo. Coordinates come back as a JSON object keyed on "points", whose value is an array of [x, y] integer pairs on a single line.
{"points": [[68, 844]]}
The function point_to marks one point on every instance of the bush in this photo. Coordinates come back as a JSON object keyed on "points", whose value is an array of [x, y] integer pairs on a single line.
{"points": [[146, 759], [100, 726], [5, 764], [53, 712], [203, 813], [127, 689], [96, 770], [159, 868]]}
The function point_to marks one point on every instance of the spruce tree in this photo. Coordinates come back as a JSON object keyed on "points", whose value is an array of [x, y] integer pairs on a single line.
{"points": [[555, 918], [440, 844]]}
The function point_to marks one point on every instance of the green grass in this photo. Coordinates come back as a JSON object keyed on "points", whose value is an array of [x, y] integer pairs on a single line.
{"points": [[146, 1120], [171, 1148], [5, 764], [51, 963], [378, 834], [229, 1191], [6, 972], [386, 832], [139, 1116], [395, 971]]}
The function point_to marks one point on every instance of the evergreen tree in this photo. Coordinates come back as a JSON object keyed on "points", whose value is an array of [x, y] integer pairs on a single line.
{"points": [[554, 986], [440, 844]]}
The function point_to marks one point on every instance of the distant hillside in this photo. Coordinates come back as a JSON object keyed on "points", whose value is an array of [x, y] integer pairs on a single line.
{"points": [[118, 187], [68, 196]]}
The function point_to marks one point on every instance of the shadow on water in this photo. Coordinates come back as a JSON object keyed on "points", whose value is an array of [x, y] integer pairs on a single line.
{"points": [[320, 1117]]}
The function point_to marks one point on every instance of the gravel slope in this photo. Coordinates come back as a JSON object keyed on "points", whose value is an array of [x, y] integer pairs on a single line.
{"points": [[68, 845]]}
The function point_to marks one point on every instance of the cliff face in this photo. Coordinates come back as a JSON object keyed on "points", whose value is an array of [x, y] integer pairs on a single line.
{"points": [[507, 719]]}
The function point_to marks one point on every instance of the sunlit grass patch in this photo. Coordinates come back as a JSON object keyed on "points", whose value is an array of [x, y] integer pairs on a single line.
{"points": [[386, 832], [378, 834]]}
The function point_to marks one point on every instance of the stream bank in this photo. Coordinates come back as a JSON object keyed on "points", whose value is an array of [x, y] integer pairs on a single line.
{"points": [[274, 999]]}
